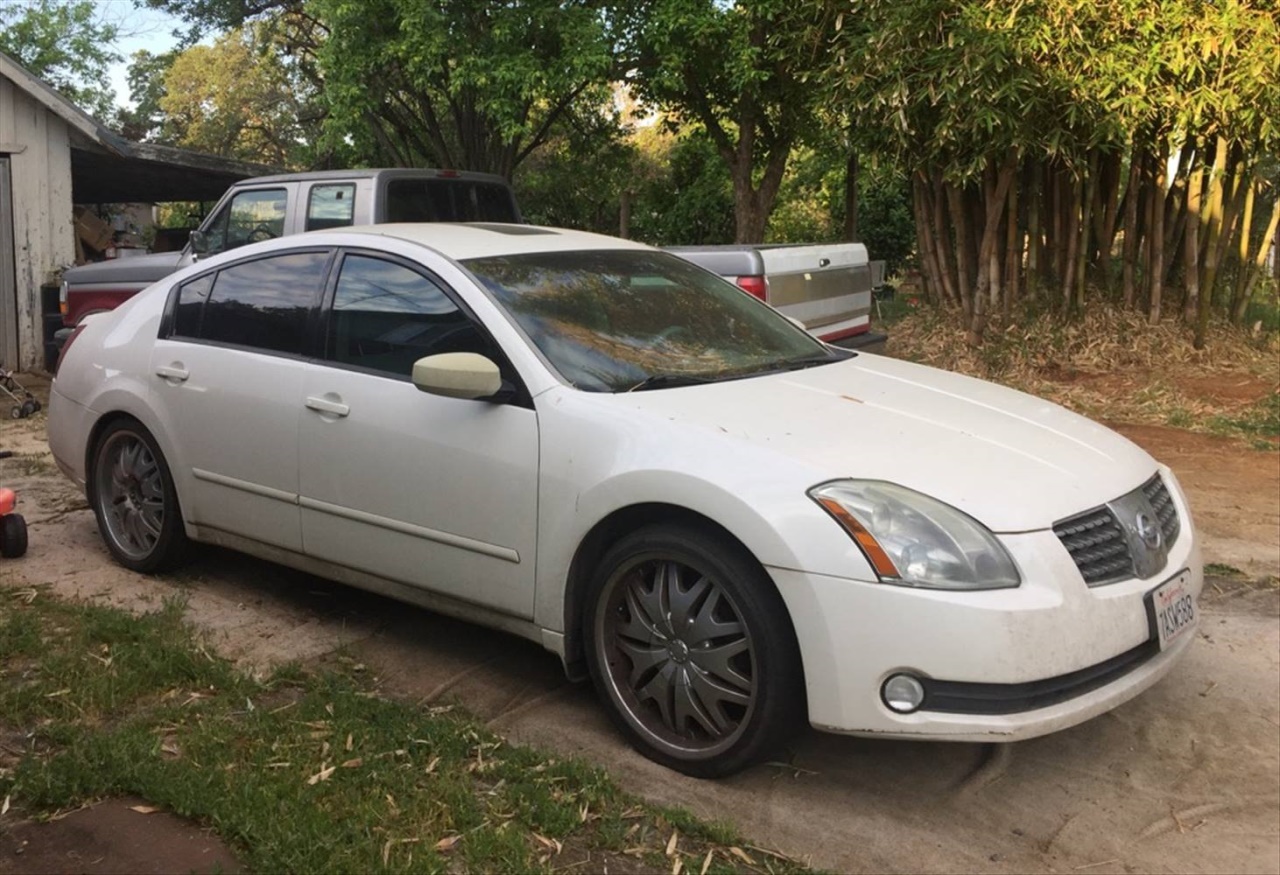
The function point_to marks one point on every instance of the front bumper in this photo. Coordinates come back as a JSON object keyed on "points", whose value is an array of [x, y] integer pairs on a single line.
{"points": [[1091, 645]]}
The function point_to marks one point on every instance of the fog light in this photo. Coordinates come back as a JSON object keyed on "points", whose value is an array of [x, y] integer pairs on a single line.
{"points": [[902, 693]]}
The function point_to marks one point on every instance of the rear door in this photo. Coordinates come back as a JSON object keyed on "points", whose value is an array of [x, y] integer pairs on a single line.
{"points": [[227, 377], [438, 493]]}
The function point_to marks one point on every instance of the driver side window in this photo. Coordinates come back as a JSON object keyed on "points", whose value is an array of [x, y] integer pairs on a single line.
{"points": [[251, 217], [386, 316]]}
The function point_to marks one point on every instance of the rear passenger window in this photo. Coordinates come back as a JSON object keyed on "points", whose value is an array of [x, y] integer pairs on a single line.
{"points": [[385, 317], [191, 300], [331, 206], [264, 303]]}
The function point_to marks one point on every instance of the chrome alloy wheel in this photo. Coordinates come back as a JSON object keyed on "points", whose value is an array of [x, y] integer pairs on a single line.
{"points": [[130, 493], [678, 658]]}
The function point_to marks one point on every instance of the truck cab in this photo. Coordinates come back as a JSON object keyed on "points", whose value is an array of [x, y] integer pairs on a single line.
{"points": [[273, 206]]}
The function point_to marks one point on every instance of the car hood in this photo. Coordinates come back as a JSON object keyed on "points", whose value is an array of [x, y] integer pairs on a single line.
{"points": [[136, 269], [1012, 461]]}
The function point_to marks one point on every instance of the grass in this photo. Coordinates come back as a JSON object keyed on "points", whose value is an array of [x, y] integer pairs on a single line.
{"points": [[1260, 420], [306, 771]]}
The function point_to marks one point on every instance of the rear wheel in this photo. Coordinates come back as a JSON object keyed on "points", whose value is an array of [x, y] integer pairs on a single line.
{"points": [[132, 495], [690, 647]]}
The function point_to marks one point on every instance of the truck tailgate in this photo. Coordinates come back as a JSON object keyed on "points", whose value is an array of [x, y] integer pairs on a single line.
{"points": [[825, 286]]}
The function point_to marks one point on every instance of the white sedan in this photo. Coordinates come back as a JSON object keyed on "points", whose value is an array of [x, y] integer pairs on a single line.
{"points": [[730, 526]]}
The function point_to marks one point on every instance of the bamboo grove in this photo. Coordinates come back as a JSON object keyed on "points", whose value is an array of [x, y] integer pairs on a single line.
{"points": [[1062, 151]]}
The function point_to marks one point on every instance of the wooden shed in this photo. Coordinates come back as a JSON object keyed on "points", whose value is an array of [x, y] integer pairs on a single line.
{"points": [[54, 155]]}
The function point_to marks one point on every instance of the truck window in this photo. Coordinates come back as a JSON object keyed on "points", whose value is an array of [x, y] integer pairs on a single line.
{"points": [[449, 200], [251, 217], [331, 206]]}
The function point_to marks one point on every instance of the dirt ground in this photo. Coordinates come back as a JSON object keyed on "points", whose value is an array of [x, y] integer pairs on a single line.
{"points": [[1186, 778]]}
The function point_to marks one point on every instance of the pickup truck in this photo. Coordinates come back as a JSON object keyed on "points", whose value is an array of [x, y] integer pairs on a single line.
{"points": [[272, 206], [825, 287]]}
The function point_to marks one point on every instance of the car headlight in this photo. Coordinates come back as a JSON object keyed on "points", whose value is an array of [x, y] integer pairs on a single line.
{"points": [[913, 540]]}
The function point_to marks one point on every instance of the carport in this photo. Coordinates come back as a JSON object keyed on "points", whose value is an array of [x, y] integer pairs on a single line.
{"points": [[54, 155]]}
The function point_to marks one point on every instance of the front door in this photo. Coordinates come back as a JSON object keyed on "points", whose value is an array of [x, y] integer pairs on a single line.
{"points": [[438, 493]]}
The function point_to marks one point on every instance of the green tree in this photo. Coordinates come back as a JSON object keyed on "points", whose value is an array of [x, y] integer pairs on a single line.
{"points": [[240, 98], [682, 194], [739, 70], [67, 44], [458, 84], [1037, 137]]}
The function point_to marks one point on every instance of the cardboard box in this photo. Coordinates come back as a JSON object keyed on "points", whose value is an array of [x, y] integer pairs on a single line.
{"points": [[92, 231]]}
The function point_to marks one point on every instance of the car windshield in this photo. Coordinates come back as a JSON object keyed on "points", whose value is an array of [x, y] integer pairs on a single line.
{"points": [[617, 321]]}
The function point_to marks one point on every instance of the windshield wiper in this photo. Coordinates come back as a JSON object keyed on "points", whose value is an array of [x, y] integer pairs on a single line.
{"points": [[798, 364], [666, 381]]}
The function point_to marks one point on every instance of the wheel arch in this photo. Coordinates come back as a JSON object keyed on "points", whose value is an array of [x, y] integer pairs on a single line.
{"points": [[596, 543]]}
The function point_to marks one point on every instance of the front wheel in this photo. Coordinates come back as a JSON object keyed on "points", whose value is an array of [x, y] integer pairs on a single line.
{"points": [[132, 496], [690, 646]]}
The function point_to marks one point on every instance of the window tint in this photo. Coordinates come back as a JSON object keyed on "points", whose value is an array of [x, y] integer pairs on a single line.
{"points": [[331, 206], [251, 217], [385, 317], [191, 298], [265, 303], [449, 200]]}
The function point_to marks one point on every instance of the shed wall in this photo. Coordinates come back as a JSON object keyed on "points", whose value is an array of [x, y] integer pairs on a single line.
{"points": [[39, 148]]}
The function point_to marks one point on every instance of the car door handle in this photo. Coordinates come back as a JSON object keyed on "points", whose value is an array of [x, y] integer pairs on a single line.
{"points": [[173, 372], [324, 405]]}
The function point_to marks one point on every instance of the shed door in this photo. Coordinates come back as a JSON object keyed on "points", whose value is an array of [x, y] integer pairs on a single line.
{"points": [[8, 286]]}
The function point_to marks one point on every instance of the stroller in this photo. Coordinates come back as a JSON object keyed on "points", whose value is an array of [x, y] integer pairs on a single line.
{"points": [[13, 528], [24, 403]]}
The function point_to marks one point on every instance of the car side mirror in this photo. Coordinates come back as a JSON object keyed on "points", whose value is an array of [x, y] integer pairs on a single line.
{"points": [[466, 375], [199, 242]]}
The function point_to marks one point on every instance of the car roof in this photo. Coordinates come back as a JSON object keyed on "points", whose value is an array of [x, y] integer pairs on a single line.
{"points": [[461, 241], [375, 172]]}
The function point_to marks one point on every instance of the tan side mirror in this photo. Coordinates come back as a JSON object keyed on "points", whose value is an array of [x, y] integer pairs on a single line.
{"points": [[457, 375]]}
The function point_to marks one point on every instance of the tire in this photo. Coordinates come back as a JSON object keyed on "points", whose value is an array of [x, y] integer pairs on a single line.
{"points": [[132, 495], [29, 407], [16, 412], [691, 649], [13, 535]]}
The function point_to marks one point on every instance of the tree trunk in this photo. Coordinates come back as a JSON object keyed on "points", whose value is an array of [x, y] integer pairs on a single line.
{"points": [[1232, 208], [1157, 235], [1130, 252], [1209, 273], [941, 239], [1191, 246], [1242, 272], [1270, 238], [1072, 240], [1033, 229], [922, 210], [1086, 225], [1013, 252], [960, 225], [1110, 217]]}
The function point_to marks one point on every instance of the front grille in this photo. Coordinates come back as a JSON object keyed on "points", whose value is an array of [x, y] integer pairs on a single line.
{"points": [[1102, 549], [1162, 503], [1097, 545]]}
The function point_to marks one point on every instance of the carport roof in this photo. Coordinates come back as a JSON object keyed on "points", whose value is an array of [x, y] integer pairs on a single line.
{"points": [[107, 168]]}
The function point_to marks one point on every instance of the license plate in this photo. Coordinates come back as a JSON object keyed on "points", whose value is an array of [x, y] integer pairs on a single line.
{"points": [[1172, 608]]}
